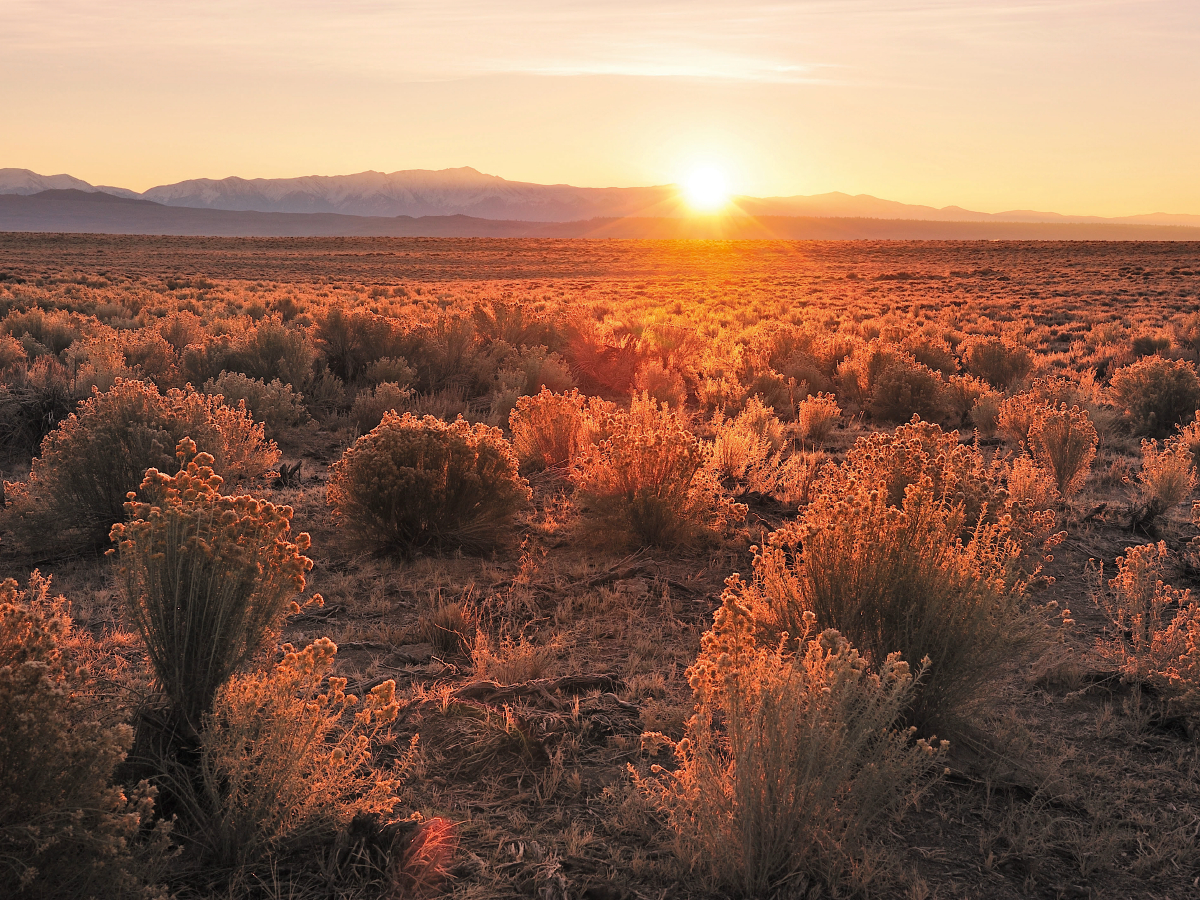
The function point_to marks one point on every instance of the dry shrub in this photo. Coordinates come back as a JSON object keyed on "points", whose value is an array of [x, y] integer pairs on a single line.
{"points": [[998, 361], [1157, 394], [1189, 437], [207, 578], [647, 478], [906, 389], [78, 485], [549, 430], [508, 659], [891, 462], [747, 444], [901, 579], [660, 383], [816, 417], [985, 413], [414, 483], [1158, 628], [449, 627], [797, 477], [1063, 442], [285, 761], [34, 399], [792, 761], [276, 405], [1016, 417], [372, 404], [65, 829], [1166, 479], [352, 341]]}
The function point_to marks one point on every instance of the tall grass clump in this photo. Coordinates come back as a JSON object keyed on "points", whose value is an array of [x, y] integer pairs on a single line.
{"points": [[207, 578], [66, 830], [648, 480], [1157, 394], [416, 483], [1063, 442], [793, 759], [78, 484]]}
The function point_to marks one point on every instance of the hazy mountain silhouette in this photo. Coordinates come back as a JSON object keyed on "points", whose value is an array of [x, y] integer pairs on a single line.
{"points": [[77, 211], [467, 192]]}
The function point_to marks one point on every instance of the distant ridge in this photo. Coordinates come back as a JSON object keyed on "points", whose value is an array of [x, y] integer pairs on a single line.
{"points": [[465, 191], [94, 212]]}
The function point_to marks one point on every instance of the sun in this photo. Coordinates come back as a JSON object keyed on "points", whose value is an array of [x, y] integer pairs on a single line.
{"points": [[706, 189]]}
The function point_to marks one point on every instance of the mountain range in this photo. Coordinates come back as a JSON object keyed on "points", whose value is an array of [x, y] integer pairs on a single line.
{"points": [[468, 192], [466, 203]]}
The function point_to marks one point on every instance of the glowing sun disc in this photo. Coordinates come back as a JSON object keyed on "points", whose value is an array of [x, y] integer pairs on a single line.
{"points": [[706, 189]]}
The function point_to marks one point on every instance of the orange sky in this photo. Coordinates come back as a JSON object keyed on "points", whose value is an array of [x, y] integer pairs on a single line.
{"points": [[1078, 106]]}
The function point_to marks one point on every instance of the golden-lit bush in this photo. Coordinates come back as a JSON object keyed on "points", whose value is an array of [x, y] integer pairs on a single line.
{"points": [[999, 362], [816, 417], [550, 430], [1166, 479], [984, 414], [78, 484], [65, 829], [1016, 416], [747, 444], [906, 389], [1158, 628], [891, 462], [647, 479], [207, 578], [414, 483], [372, 404], [899, 577], [660, 383], [352, 340], [792, 761], [286, 760], [276, 405], [1063, 442], [1157, 394]]}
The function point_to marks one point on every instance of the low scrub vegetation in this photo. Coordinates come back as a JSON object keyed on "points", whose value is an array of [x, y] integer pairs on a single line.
{"points": [[792, 758], [413, 483], [656, 568]]}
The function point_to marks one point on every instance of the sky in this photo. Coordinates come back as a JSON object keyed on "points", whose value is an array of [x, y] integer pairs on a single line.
{"points": [[1076, 106]]}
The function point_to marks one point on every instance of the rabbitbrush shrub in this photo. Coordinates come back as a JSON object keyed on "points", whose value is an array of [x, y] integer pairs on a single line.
{"points": [[1166, 479], [647, 480], [207, 578], [285, 758], [549, 430], [901, 550], [1158, 629], [65, 829], [792, 760], [1063, 442], [1157, 394], [78, 484], [275, 404], [414, 483]]}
